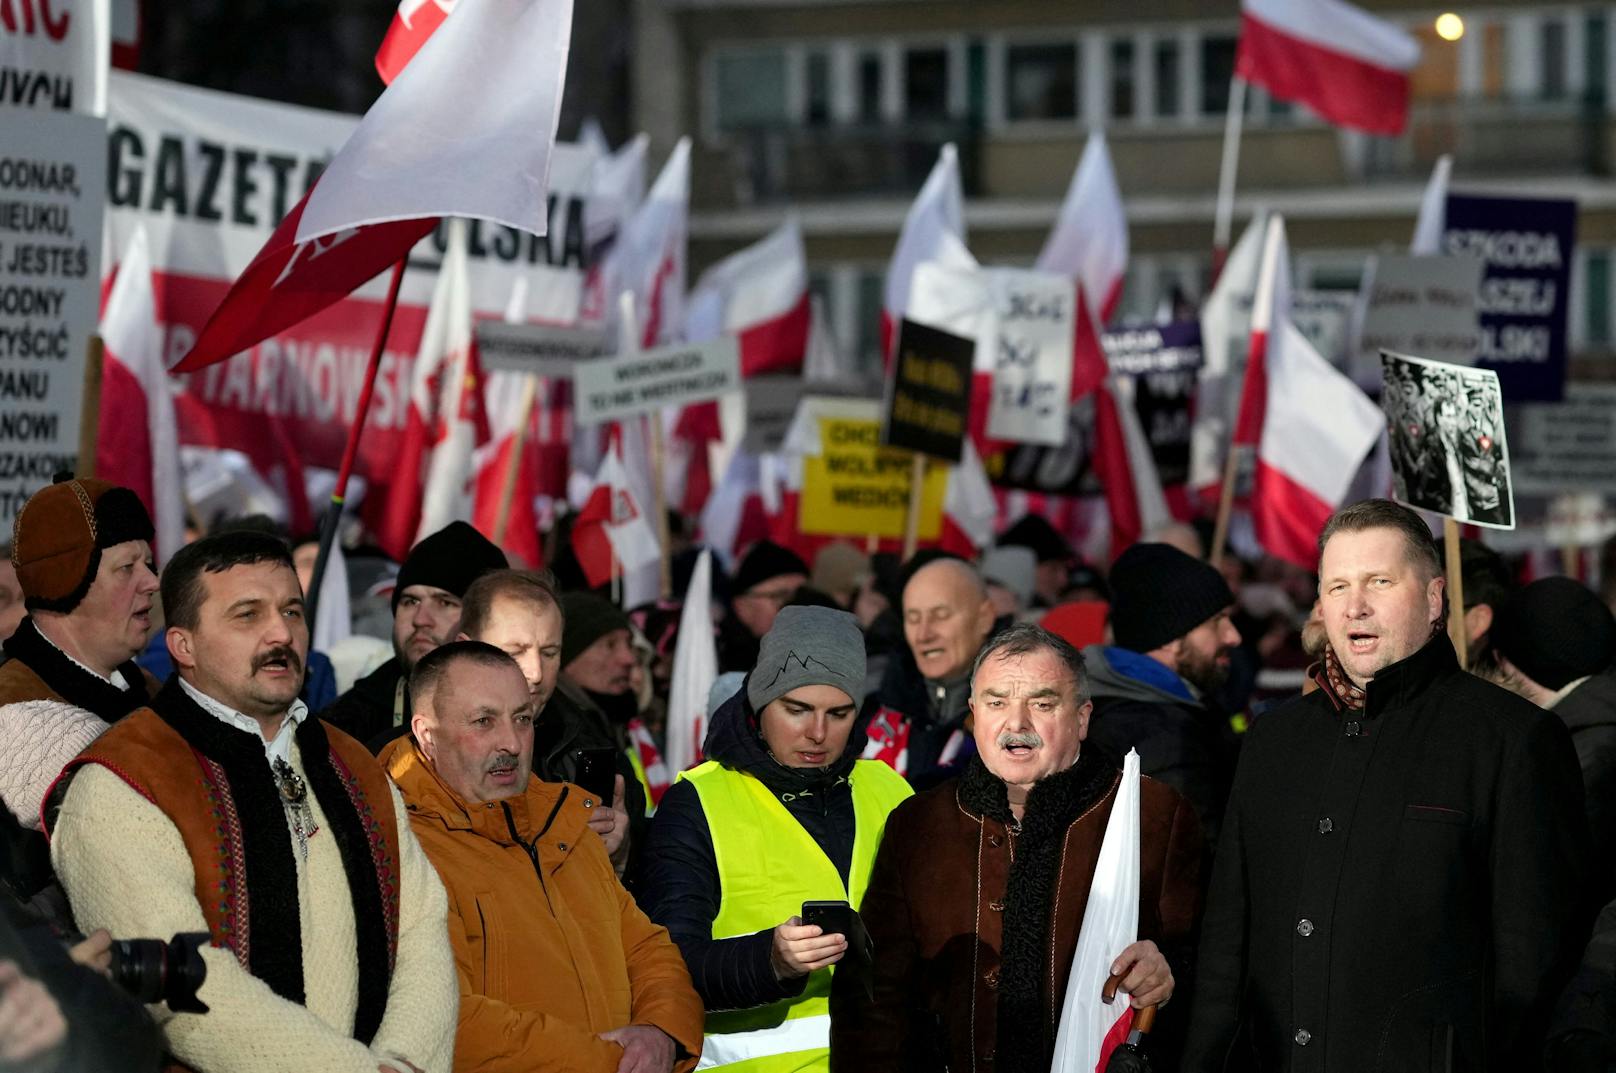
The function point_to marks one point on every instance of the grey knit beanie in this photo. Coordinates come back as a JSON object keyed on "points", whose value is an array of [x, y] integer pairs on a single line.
{"points": [[808, 646]]}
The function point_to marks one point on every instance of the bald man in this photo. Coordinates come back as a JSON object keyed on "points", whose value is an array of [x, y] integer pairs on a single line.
{"points": [[917, 713]]}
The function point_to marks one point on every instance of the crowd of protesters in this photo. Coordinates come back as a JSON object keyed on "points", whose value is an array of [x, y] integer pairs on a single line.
{"points": [[453, 844]]}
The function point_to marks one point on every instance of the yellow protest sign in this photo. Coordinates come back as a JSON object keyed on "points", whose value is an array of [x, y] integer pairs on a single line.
{"points": [[855, 487]]}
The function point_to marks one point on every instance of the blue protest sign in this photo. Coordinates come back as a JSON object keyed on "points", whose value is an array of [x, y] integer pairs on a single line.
{"points": [[1527, 245]]}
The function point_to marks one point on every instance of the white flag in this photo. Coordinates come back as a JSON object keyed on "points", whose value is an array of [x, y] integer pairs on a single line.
{"points": [[695, 667]]}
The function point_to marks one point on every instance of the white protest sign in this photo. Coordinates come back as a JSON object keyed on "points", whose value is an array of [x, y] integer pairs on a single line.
{"points": [[1423, 305], [54, 55], [771, 404], [1566, 446], [52, 178], [607, 389], [1028, 342], [540, 349]]}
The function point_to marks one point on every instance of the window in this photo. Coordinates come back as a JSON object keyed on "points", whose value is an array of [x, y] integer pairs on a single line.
{"points": [[1552, 44], [1122, 78], [1598, 303], [1166, 78], [1042, 82], [751, 90], [1217, 68], [869, 87], [925, 84], [817, 105], [871, 303]]}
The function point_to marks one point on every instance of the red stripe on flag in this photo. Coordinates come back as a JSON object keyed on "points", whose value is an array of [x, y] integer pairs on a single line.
{"points": [[1253, 393], [404, 39], [1341, 88], [777, 345], [1116, 475], [1114, 1037], [1288, 516], [123, 450]]}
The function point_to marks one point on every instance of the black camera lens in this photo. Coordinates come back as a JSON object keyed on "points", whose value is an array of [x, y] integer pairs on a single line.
{"points": [[153, 971]]}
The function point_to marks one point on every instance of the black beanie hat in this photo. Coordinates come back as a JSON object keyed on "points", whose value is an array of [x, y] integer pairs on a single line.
{"points": [[1159, 594], [1556, 631], [450, 559], [766, 560], [586, 618], [1034, 531]]}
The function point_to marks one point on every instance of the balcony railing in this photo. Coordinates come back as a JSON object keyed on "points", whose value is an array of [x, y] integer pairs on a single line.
{"points": [[846, 160], [1498, 137]]}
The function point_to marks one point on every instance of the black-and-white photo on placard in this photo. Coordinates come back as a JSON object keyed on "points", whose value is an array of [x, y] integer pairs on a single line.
{"points": [[1446, 429]]}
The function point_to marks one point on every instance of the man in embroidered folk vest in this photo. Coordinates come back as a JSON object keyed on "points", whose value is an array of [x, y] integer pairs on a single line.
{"points": [[784, 811], [83, 559], [981, 883], [558, 968], [222, 807]]}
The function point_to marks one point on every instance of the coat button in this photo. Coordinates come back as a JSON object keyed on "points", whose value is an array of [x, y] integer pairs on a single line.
{"points": [[1304, 927], [991, 978], [1353, 728], [997, 907], [1303, 1037], [1325, 826], [589, 802], [562, 846]]}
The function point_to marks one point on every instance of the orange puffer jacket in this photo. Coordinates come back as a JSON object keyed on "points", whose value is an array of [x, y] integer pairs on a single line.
{"points": [[550, 949]]}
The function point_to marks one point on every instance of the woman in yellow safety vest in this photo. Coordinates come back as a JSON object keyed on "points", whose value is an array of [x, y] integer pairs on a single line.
{"points": [[782, 812]]}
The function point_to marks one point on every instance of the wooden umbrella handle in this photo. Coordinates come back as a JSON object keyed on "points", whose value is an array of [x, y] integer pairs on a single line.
{"points": [[1143, 1019]]}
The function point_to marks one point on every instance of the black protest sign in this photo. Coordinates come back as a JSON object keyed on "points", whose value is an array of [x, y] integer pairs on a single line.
{"points": [[929, 392]]}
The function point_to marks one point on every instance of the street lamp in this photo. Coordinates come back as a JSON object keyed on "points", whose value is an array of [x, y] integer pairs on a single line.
{"points": [[1449, 26]]}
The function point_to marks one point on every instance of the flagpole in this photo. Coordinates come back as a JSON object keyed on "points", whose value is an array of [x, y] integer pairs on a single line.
{"points": [[507, 492], [1456, 615], [90, 408], [659, 502], [911, 524], [1220, 529], [1223, 215], [333, 511]]}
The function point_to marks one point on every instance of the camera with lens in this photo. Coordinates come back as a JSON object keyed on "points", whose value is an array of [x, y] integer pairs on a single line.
{"points": [[154, 971]]}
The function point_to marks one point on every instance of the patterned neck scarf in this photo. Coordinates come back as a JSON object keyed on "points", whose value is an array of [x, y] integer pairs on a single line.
{"points": [[1332, 679]]}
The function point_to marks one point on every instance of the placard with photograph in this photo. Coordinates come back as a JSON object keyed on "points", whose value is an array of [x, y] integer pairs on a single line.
{"points": [[1446, 429]]}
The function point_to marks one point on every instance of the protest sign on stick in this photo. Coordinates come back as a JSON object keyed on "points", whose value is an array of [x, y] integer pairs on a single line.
{"points": [[928, 397], [633, 383], [1028, 335]]}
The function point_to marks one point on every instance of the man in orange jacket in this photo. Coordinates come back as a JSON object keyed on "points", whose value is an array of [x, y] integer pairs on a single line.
{"points": [[558, 968]]}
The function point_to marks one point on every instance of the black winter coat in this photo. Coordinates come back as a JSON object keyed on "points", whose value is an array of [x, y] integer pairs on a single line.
{"points": [[680, 886], [366, 711], [1583, 1037], [933, 711], [1589, 712], [1397, 889], [1182, 742], [569, 723]]}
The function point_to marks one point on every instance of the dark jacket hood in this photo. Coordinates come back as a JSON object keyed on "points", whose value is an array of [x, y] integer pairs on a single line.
{"points": [[1120, 672], [734, 741]]}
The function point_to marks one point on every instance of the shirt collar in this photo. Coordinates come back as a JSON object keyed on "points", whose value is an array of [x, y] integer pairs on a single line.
{"points": [[279, 748], [1565, 691], [117, 679]]}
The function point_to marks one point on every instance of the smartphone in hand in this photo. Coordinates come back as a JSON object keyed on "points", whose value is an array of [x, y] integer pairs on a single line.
{"points": [[596, 772]]}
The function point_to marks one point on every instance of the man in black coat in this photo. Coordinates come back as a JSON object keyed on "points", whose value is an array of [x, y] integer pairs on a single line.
{"points": [[1400, 882], [1152, 689], [1554, 643], [426, 614]]}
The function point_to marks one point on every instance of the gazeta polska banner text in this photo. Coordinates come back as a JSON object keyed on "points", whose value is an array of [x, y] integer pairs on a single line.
{"points": [[210, 174]]}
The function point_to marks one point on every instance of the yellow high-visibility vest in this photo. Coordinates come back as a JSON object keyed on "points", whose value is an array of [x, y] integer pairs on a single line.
{"points": [[768, 865]]}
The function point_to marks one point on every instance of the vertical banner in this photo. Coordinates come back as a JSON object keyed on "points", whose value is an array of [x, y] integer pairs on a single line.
{"points": [[51, 180], [1527, 245]]}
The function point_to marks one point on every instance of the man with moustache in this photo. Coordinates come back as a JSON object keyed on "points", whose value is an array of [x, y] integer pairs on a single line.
{"points": [[558, 968], [1153, 687], [1401, 879], [426, 614], [224, 808], [519, 613], [82, 557], [980, 885]]}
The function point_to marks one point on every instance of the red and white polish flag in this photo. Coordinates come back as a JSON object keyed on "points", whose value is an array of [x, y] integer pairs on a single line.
{"points": [[648, 260], [1090, 1030], [1310, 423], [1347, 65], [138, 443], [611, 526], [406, 166], [759, 294]]}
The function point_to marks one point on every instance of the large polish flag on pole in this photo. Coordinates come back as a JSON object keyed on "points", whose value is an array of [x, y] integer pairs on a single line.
{"points": [[1310, 423], [466, 129], [138, 443], [1089, 242], [1349, 66], [611, 534], [648, 261], [759, 294]]}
